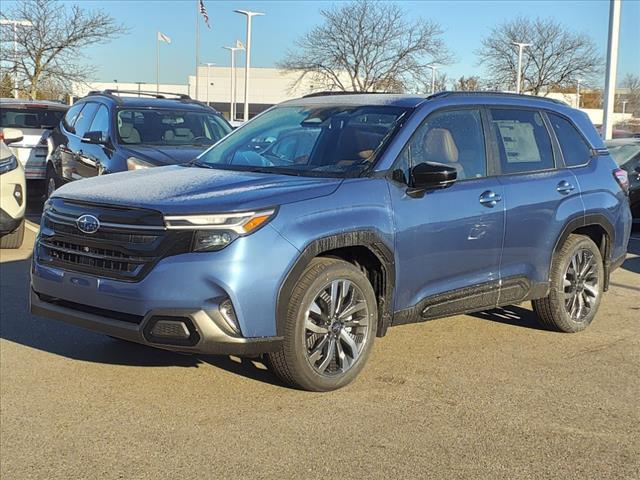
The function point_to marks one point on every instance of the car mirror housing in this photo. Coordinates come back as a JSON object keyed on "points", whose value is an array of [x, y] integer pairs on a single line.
{"points": [[12, 135], [431, 176], [96, 138]]}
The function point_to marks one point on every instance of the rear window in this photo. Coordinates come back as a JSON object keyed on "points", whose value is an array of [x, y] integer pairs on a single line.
{"points": [[523, 141], [575, 150], [32, 117]]}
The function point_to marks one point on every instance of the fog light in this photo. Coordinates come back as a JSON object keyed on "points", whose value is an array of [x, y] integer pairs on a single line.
{"points": [[212, 240], [229, 315], [18, 195]]}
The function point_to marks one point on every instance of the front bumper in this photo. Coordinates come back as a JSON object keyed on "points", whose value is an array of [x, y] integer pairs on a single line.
{"points": [[7, 223], [206, 328]]}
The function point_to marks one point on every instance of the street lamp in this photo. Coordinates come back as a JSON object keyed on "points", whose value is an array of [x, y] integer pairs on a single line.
{"points": [[578, 93], [624, 105], [521, 47], [247, 67], [15, 23], [234, 77], [433, 78], [139, 83], [208, 65], [117, 87]]}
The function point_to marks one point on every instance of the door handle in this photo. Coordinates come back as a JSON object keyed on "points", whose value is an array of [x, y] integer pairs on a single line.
{"points": [[565, 187], [490, 199]]}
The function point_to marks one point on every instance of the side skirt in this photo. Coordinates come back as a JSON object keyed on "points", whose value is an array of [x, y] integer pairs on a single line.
{"points": [[476, 298]]}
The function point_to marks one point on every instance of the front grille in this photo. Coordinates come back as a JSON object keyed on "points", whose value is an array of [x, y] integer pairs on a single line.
{"points": [[120, 249]]}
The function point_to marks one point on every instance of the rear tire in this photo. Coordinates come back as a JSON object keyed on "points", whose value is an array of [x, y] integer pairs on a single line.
{"points": [[329, 328], [13, 239], [577, 279]]}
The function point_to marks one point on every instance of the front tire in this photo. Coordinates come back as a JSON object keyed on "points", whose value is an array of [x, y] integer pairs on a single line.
{"points": [[52, 183], [329, 329], [577, 279]]}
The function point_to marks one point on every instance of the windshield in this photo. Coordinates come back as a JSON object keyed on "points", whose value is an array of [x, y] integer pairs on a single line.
{"points": [[309, 140], [169, 127], [31, 117], [623, 153]]}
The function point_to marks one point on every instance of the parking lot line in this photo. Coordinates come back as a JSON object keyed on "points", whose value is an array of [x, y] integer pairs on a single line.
{"points": [[34, 227]]}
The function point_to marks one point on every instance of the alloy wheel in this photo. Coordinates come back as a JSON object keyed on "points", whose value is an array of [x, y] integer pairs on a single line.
{"points": [[581, 285], [336, 327]]}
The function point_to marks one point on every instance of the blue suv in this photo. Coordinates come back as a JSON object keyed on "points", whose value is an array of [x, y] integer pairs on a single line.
{"points": [[310, 230]]}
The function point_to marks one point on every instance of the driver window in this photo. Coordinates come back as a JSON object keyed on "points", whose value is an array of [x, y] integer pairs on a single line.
{"points": [[451, 137]]}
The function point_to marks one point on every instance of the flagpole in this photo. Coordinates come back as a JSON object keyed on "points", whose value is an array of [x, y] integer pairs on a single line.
{"points": [[157, 63], [197, 43]]}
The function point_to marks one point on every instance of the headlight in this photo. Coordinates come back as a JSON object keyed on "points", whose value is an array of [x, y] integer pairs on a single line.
{"points": [[134, 163], [214, 232], [8, 164]]}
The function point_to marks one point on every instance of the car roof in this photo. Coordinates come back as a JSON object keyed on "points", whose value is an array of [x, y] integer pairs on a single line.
{"points": [[131, 101], [412, 101], [23, 102]]}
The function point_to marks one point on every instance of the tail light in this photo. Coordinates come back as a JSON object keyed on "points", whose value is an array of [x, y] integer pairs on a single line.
{"points": [[1, 136], [622, 178]]}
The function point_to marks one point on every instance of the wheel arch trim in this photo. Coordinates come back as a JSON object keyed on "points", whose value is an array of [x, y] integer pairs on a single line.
{"points": [[369, 239]]}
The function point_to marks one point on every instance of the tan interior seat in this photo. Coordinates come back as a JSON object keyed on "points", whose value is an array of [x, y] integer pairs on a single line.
{"points": [[128, 133], [439, 146]]}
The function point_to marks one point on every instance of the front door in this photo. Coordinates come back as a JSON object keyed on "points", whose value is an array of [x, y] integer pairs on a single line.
{"points": [[448, 242]]}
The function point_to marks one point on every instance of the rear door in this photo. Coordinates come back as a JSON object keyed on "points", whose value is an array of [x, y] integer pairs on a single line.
{"points": [[540, 196], [448, 242]]}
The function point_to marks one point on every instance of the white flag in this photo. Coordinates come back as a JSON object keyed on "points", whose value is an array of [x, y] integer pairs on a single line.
{"points": [[163, 38]]}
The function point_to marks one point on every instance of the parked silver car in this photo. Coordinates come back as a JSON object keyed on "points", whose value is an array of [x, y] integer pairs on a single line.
{"points": [[36, 119]]}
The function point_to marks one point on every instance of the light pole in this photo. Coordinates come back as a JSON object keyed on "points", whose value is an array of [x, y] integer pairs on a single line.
{"points": [[139, 83], [624, 105], [208, 65], [521, 47], [433, 78], [15, 23], [578, 94], [612, 66], [247, 67], [117, 86], [234, 76]]}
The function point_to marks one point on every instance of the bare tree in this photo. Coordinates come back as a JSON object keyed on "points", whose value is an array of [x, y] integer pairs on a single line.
{"points": [[631, 83], [556, 58], [51, 50], [467, 84], [367, 46]]}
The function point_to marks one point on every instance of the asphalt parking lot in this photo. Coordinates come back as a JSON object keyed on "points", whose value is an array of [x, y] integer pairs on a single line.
{"points": [[480, 396]]}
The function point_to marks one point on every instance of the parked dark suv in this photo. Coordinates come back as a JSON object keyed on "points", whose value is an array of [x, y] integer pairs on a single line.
{"points": [[308, 231], [110, 131]]}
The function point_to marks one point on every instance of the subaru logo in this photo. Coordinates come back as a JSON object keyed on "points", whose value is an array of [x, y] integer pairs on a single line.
{"points": [[88, 224]]}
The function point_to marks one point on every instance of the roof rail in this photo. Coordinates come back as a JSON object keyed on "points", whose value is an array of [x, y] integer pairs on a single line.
{"points": [[340, 92], [141, 93], [494, 93]]}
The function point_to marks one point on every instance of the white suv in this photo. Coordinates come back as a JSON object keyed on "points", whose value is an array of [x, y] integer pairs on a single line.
{"points": [[12, 192]]}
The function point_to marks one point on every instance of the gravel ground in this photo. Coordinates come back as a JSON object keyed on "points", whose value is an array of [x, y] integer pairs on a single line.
{"points": [[478, 396]]}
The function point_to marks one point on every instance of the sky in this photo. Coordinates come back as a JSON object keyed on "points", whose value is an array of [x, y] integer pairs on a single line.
{"points": [[133, 57]]}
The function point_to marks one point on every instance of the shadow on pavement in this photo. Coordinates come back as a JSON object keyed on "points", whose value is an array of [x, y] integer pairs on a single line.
{"points": [[17, 325], [632, 264], [511, 315]]}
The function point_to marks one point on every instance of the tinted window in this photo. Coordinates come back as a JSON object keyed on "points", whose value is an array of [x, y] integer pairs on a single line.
{"points": [[523, 140], [72, 115], [85, 118], [101, 121], [452, 137], [624, 154], [317, 140], [575, 151], [29, 117]]}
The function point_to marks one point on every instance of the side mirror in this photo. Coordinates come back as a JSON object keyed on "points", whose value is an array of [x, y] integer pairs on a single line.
{"points": [[12, 135], [96, 138], [431, 176]]}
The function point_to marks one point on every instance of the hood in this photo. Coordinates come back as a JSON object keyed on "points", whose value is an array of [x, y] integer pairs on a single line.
{"points": [[193, 190], [165, 155]]}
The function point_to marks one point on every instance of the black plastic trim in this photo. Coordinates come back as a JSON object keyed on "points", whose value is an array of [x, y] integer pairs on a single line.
{"points": [[369, 239]]}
